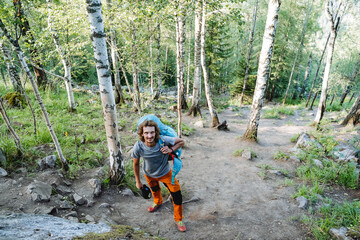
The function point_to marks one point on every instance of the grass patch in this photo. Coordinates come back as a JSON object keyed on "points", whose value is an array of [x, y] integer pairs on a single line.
{"points": [[276, 112], [279, 155]]}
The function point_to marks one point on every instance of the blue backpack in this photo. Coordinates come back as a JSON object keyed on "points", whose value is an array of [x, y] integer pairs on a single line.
{"points": [[165, 131]]}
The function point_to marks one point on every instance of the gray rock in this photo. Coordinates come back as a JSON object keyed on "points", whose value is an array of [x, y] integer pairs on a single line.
{"points": [[21, 226], [47, 162], [104, 205], [43, 209], [72, 214], [295, 159], [79, 200], [73, 219], [3, 172], [96, 185], [303, 202], [63, 190], [345, 152], [339, 233], [127, 192], [90, 203], [246, 154], [39, 191], [106, 220], [90, 218], [199, 124], [276, 172], [318, 163], [66, 205], [2, 158], [305, 141]]}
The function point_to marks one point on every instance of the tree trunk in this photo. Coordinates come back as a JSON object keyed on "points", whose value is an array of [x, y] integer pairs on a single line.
{"points": [[11, 68], [189, 61], [352, 96], [116, 171], [166, 60], [135, 69], [251, 39], [353, 116], [119, 97], [332, 99], [351, 80], [25, 30], [3, 78], [306, 77], [345, 93], [323, 96], [262, 74], [298, 52], [17, 47], [65, 61], [11, 130], [151, 64], [158, 62], [213, 113], [312, 103], [195, 105]]}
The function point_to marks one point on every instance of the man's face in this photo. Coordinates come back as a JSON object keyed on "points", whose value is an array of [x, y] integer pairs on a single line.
{"points": [[149, 135]]}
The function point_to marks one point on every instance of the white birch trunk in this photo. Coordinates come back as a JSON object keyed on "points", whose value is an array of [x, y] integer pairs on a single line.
{"points": [[251, 39], [10, 67], [11, 130], [195, 105], [135, 70], [107, 97], [37, 95], [214, 116], [189, 62], [263, 69], [65, 61], [323, 96], [158, 62]]}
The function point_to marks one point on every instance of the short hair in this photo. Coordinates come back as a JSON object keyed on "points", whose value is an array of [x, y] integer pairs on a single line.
{"points": [[148, 123]]}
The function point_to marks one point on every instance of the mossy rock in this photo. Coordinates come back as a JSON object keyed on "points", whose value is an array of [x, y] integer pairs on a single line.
{"points": [[14, 99]]}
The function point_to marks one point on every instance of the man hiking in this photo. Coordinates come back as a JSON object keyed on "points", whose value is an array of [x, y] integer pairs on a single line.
{"points": [[157, 168]]}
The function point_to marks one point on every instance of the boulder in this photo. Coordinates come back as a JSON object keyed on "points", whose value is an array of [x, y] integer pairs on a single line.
{"points": [[305, 141], [303, 202], [3, 172], [31, 226], [66, 205], [199, 124], [47, 162], [127, 192], [246, 154], [345, 152], [39, 191], [339, 233], [79, 200], [63, 190], [96, 185]]}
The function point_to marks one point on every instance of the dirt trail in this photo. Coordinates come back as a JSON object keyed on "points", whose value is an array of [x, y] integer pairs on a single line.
{"points": [[236, 203]]}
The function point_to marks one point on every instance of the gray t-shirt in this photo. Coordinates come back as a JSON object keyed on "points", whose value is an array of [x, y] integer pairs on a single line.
{"points": [[155, 162]]}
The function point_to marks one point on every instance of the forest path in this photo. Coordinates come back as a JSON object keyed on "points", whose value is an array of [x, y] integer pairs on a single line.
{"points": [[236, 202]]}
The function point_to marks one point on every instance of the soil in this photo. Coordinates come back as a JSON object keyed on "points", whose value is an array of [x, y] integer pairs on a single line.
{"points": [[236, 198]]}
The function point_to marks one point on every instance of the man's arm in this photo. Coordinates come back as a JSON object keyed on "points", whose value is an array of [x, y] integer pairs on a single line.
{"points": [[178, 144], [136, 167]]}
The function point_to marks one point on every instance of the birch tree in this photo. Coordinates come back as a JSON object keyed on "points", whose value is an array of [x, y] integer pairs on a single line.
{"points": [[331, 7], [353, 115], [10, 66], [213, 113], [158, 62], [64, 59], [298, 53], [15, 43], [251, 39], [263, 69], [116, 170], [195, 105]]}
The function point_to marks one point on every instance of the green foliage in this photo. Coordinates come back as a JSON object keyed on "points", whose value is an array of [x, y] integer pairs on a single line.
{"points": [[310, 192], [238, 152], [277, 111], [279, 155], [294, 138]]}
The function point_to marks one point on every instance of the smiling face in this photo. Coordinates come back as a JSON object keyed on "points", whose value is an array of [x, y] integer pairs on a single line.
{"points": [[149, 136]]}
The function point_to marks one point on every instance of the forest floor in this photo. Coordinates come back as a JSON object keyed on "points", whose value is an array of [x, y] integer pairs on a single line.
{"points": [[238, 199]]}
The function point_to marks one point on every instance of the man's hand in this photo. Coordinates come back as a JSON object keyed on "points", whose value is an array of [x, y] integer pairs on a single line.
{"points": [[166, 150], [139, 185]]}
